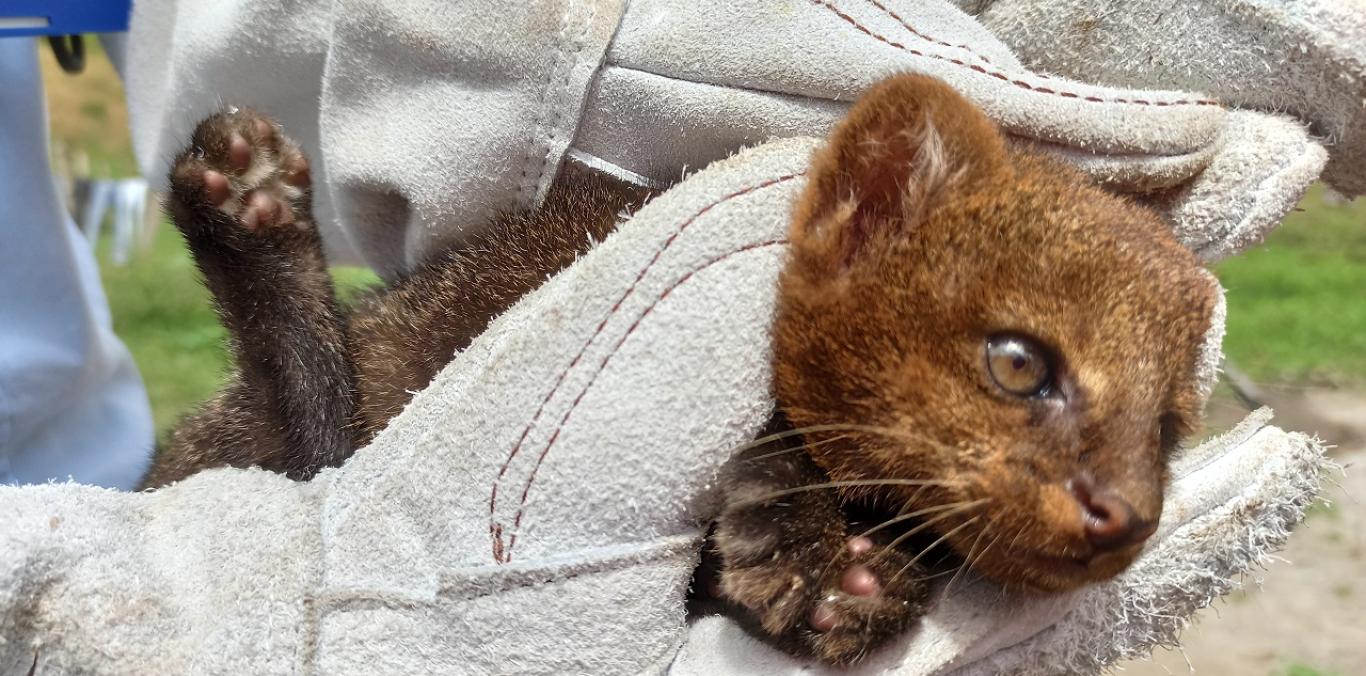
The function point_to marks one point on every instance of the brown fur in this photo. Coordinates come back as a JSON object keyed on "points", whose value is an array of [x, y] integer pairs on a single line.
{"points": [[403, 337], [288, 405], [921, 233]]}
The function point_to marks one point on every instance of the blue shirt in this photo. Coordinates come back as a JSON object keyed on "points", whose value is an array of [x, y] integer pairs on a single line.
{"points": [[72, 405]]}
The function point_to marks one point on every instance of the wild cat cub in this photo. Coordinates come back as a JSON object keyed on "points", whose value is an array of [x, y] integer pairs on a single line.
{"points": [[986, 357], [972, 343]]}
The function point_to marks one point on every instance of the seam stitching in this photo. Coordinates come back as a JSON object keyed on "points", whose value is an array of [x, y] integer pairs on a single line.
{"points": [[556, 113], [1022, 84], [545, 116], [502, 549], [526, 490]]}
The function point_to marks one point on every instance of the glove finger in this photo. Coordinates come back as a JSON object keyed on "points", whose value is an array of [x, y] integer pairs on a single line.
{"points": [[733, 73], [1305, 59], [1261, 171]]}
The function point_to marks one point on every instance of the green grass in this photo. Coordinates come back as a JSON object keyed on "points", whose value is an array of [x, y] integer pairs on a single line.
{"points": [[87, 115], [352, 281], [1302, 670], [162, 312], [1297, 304]]}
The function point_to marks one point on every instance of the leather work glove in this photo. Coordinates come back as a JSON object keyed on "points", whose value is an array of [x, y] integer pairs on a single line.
{"points": [[539, 507]]}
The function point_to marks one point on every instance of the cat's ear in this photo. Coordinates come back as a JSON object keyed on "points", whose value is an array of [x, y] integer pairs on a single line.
{"points": [[905, 145]]}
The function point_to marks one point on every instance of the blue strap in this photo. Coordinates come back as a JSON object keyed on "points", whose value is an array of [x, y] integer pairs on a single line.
{"points": [[63, 17]]}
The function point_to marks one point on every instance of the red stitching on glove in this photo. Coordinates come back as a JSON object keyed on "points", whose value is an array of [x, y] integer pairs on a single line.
{"points": [[996, 74], [502, 552], [932, 39]]}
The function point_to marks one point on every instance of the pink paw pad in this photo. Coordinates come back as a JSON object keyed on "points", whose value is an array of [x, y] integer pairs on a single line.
{"points": [[296, 173], [261, 209], [239, 153], [216, 187], [823, 618], [857, 580], [242, 165]]}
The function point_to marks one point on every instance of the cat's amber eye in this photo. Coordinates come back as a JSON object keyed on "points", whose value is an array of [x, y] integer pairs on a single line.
{"points": [[1019, 365]]}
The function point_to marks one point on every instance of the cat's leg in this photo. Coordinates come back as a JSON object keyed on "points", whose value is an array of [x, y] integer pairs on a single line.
{"points": [[401, 339], [240, 195], [788, 558]]}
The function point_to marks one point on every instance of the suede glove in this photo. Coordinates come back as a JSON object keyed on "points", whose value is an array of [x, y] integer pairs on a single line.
{"points": [[539, 508]]}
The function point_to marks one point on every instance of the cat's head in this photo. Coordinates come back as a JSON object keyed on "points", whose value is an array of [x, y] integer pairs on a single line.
{"points": [[983, 319]]}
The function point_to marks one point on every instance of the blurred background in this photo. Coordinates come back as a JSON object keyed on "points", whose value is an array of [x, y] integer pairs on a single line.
{"points": [[1296, 340]]}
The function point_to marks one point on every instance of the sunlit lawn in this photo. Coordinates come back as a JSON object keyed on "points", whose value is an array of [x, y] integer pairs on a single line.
{"points": [[163, 313], [1297, 304]]}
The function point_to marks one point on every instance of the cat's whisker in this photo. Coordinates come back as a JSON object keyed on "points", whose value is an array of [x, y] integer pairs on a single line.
{"points": [[983, 553], [803, 447], [929, 522], [969, 562], [904, 435], [903, 517], [958, 571], [915, 497], [849, 483], [916, 559], [787, 434], [1018, 534], [921, 512], [934, 576]]}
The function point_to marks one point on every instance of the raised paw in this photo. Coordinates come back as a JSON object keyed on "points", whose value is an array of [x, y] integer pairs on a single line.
{"points": [[240, 170], [836, 607]]}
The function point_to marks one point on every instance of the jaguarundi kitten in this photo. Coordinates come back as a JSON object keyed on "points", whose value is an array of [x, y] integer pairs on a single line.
{"points": [[987, 358], [977, 354]]}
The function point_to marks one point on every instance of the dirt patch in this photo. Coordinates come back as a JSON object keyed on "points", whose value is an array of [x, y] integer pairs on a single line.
{"points": [[1337, 416], [1302, 615]]}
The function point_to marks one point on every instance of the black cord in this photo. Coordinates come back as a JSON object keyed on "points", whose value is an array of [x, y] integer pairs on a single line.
{"points": [[70, 52]]}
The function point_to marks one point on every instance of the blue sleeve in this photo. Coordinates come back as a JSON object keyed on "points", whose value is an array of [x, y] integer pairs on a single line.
{"points": [[71, 402]]}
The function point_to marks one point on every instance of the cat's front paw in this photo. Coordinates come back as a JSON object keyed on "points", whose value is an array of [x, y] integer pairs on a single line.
{"points": [[242, 174], [835, 605], [873, 595]]}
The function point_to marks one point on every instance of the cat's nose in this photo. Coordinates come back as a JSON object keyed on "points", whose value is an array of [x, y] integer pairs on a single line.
{"points": [[1109, 519]]}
